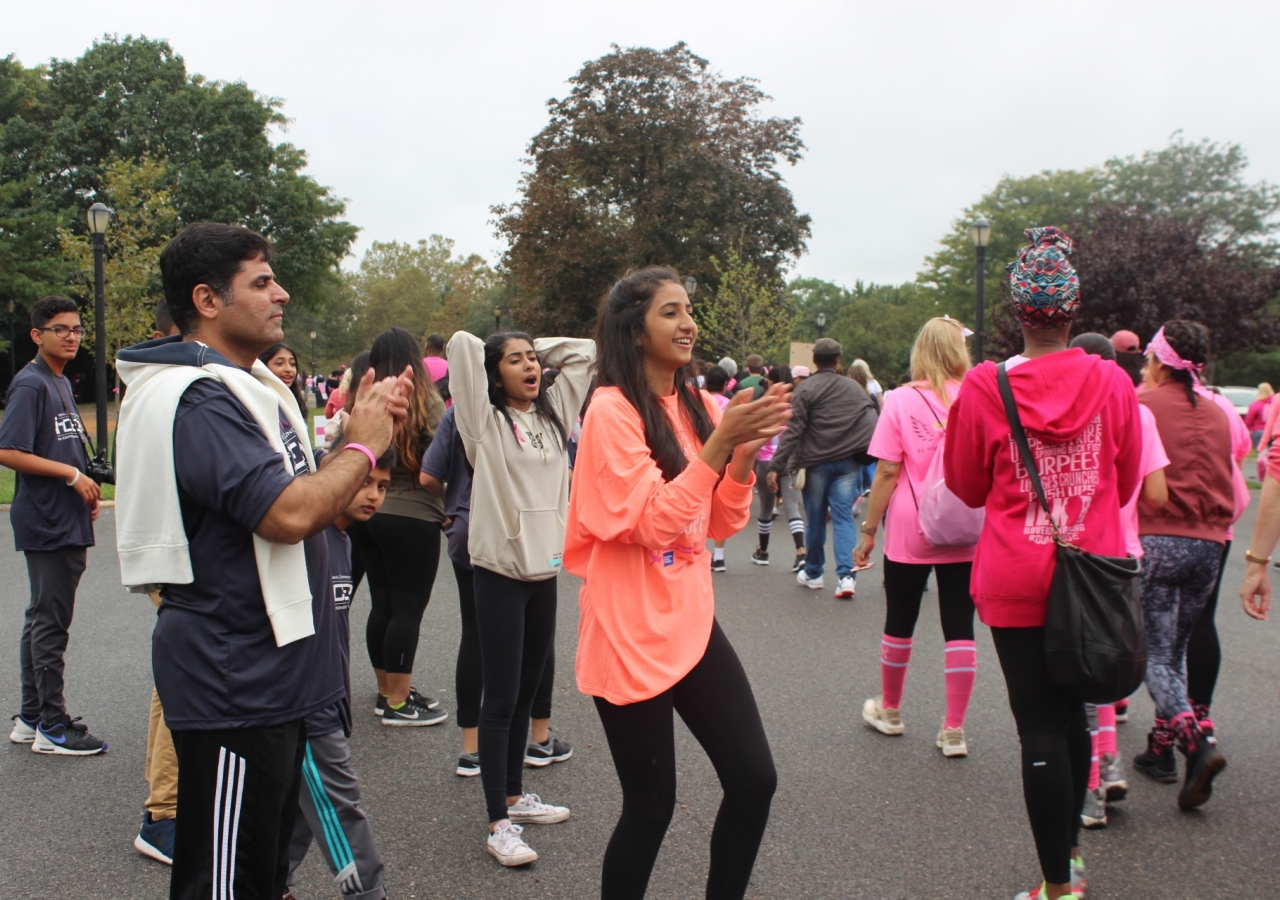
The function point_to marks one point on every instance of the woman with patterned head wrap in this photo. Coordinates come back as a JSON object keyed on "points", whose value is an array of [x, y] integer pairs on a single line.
{"points": [[1081, 417]]}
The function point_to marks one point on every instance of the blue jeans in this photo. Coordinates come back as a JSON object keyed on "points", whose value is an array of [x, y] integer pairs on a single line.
{"points": [[831, 485]]}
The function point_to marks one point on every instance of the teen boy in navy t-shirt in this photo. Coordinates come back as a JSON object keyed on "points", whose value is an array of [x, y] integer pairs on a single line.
{"points": [[330, 796], [54, 507]]}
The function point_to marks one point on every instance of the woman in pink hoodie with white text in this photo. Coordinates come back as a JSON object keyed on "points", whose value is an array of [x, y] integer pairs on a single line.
{"points": [[1081, 419]]}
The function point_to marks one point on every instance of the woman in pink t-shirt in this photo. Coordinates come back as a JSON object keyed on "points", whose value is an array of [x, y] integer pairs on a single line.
{"points": [[907, 437]]}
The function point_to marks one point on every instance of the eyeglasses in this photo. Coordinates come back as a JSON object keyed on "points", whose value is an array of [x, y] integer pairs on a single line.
{"points": [[62, 331]]}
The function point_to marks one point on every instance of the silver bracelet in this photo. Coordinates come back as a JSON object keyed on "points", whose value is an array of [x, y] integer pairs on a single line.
{"points": [[72, 482]]}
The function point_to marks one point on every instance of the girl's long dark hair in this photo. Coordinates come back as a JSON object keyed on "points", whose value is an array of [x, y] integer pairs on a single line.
{"points": [[392, 350], [620, 364], [493, 353], [299, 392]]}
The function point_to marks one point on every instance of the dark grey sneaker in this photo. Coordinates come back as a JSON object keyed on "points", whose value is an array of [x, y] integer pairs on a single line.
{"points": [[421, 699], [412, 714], [553, 751], [468, 765]]}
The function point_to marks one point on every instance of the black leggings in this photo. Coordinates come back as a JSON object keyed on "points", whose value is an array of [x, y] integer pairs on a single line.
{"points": [[1056, 748], [516, 621], [469, 675], [400, 555], [904, 589], [716, 703], [1204, 652]]}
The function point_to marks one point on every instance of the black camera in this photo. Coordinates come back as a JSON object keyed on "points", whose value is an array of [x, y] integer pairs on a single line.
{"points": [[99, 469]]}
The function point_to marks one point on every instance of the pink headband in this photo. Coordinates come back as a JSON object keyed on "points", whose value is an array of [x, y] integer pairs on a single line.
{"points": [[1167, 355]]}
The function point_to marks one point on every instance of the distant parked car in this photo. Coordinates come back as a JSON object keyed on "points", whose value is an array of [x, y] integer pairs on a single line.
{"points": [[1240, 397]]}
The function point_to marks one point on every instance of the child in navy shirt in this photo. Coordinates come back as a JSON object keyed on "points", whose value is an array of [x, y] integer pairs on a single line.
{"points": [[330, 794]]}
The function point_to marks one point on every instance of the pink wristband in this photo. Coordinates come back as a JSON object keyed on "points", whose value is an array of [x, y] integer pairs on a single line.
{"points": [[373, 460]]}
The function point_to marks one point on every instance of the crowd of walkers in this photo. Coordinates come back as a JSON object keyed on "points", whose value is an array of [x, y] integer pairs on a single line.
{"points": [[627, 462]]}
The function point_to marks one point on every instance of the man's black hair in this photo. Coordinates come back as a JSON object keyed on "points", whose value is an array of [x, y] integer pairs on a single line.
{"points": [[435, 343], [48, 307], [205, 253], [164, 321], [826, 360]]}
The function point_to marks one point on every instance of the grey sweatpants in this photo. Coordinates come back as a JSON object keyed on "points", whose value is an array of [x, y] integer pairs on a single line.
{"points": [[1178, 576], [331, 813], [54, 576]]}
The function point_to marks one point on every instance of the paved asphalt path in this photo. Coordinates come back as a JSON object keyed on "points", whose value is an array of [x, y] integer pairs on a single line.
{"points": [[856, 814]]}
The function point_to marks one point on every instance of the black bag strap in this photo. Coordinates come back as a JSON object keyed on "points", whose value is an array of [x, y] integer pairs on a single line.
{"points": [[86, 442], [1024, 448]]}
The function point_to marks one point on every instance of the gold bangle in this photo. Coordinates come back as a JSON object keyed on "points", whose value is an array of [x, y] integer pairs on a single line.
{"points": [[1256, 560], [871, 533]]}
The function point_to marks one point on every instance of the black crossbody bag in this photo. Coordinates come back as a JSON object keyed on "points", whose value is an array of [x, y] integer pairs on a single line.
{"points": [[1095, 640]]}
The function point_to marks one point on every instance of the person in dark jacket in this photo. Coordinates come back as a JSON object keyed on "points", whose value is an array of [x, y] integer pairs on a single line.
{"points": [[832, 421]]}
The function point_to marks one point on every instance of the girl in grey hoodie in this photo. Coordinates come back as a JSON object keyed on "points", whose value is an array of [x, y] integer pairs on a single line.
{"points": [[513, 430]]}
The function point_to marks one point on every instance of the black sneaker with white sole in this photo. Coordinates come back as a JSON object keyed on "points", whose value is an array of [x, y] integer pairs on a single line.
{"points": [[412, 714], [67, 737], [553, 751], [760, 557], [421, 699], [799, 563], [717, 565], [468, 765]]}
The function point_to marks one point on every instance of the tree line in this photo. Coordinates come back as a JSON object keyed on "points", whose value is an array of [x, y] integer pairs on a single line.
{"points": [[652, 157]]}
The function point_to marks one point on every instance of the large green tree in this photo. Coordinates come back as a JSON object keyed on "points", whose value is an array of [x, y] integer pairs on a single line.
{"points": [[652, 158], [747, 312], [1189, 182], [63, 125]]}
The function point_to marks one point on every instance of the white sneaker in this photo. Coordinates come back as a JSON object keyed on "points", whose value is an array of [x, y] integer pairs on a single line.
{"points": [[883, 720], [951, 741], [507, 846], [847, 588], [813, 584], [22, 733], [530, 809]]}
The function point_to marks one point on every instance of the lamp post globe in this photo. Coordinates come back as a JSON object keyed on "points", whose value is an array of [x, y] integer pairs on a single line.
{"points": [[690, 285], [99, 215], [981, 237], [821, 322]]}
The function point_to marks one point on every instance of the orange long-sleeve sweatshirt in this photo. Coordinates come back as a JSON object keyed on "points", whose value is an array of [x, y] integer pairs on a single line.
{"points": [[646, 604]]}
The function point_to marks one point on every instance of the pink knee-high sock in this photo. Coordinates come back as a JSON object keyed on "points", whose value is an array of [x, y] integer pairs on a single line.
{"points": [[1106, 729], [895, 653], [1094, 778], [960, 669]]}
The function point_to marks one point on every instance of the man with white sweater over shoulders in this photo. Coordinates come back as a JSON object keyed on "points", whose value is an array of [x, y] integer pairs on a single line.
{"points": [[227, 520]]}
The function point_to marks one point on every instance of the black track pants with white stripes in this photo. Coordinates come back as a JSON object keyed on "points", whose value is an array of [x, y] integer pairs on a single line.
{"points": [[237, 800]]}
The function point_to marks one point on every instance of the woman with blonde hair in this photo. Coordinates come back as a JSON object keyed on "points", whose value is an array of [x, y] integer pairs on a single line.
{"points": [[907, 437], [1256, 417]]}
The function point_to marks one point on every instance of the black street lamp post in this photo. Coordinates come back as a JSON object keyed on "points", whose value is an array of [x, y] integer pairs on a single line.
{"points": [[12, 358], [497, 319], [99, 218], [981, 236], [822, 324]]}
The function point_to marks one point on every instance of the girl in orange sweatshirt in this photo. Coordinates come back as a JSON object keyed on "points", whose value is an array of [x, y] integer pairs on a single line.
{"points": [[654, 480]]}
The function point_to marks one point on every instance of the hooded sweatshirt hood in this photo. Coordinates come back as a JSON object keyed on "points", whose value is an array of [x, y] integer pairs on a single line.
{"points": [[1058, 394], [1081, 417]]}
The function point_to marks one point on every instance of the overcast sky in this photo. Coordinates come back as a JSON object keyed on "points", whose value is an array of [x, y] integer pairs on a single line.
{"points": [[419, 113]]}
